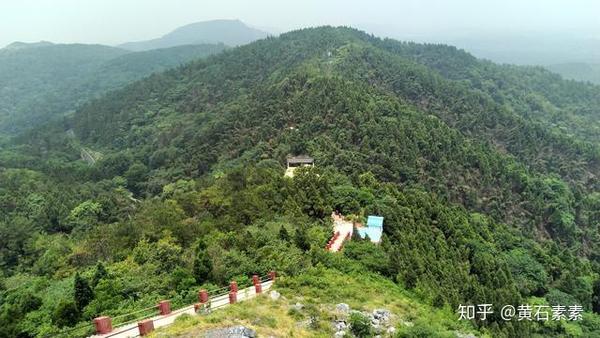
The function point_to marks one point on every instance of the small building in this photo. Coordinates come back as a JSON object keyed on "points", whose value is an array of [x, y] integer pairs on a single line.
{"points": [[374, 229], [294, 162]]}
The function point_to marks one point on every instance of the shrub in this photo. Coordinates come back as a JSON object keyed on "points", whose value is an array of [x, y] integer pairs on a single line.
{"points": [[66, 314], [360, 325]]}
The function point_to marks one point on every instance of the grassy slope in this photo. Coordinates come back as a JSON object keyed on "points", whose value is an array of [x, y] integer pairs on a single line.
{"points": [[319, 290]]}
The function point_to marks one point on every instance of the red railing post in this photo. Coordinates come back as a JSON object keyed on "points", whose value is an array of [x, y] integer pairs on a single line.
{"points": [[233, 287], [103, 325], [258, 288], [145, 327], [232, 297], [272, 275], [255, 279], [203, 296], [164, 307]]}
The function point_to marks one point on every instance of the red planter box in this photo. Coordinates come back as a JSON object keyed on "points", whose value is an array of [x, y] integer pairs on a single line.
{"points": [[164, 307], [103, 325], [203, 296], [145, 327]]}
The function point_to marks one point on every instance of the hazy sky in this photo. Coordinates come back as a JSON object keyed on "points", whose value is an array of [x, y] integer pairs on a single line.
{"points": [[117, 21]]}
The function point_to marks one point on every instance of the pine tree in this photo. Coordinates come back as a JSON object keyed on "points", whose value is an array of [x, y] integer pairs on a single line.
{"points": [[202, 264], [301, 239], [83, 292], [66, 314], [596, 297], [100, 274], [284, 235], [355, 235]]}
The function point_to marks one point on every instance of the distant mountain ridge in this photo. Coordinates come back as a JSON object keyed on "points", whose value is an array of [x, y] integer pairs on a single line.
{"points": [[228, 32], [579, 71], [24, 45], [43, 81]]}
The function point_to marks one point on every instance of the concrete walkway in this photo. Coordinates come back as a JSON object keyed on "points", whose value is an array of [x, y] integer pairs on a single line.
{"points": [[344, 228], [131, 330]]}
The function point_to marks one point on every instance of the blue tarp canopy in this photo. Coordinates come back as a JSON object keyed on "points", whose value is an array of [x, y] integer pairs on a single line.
{"points": [[374, 229], [374, 233], [375, 221]]}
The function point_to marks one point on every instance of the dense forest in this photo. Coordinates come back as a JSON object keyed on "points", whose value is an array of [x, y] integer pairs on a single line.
{"points": [[486, 175], [46, 81]]}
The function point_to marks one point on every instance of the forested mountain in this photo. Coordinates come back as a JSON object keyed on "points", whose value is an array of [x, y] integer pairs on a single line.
{"points": [[25, 45], [43, 81], [486, 176], [589, 72], [228, 32], [31, 73]]}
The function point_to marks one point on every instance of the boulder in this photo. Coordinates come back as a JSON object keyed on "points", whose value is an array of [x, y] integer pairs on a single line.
{"points": [[238, 331], [274, 295], [382, 314], [343, 308], [340, 325], [377, 329]]}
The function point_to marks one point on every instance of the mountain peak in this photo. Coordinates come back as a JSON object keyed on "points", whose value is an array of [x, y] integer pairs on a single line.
{"points": [[228, 32], [24, 45]]}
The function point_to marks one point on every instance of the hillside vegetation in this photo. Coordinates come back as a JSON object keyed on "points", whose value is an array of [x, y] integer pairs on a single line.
{"points": [[486, 175], [42, 82], [307, 308]]}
